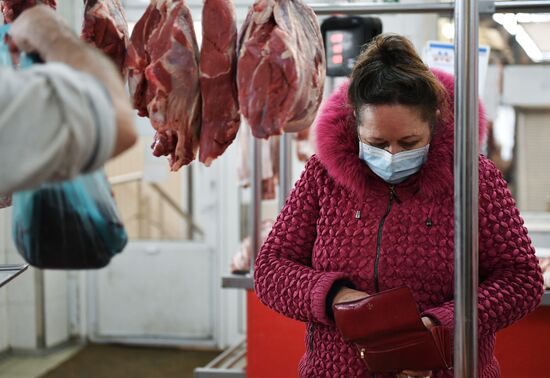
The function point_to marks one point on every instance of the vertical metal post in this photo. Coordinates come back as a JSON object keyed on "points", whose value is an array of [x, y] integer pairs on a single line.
{"points": [[285, 168], [40, 311], [190, 202], [466, 187], [256, 203]]}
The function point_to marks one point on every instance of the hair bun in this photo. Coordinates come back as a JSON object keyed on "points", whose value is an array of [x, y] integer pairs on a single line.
{"points": [[393, 50]]}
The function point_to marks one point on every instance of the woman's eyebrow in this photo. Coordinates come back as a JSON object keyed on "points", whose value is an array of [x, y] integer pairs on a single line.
{"points": [[409, 137], [375, 139]]}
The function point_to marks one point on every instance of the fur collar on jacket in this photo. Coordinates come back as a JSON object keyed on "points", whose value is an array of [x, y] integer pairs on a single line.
{"points": [[338, 148]]}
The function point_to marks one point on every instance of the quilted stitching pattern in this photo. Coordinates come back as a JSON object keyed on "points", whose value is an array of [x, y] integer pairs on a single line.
{"points": [[317, 239]]}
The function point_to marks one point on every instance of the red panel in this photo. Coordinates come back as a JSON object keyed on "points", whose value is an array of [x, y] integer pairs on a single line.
{"points": [[523, 349], [275, 344]]}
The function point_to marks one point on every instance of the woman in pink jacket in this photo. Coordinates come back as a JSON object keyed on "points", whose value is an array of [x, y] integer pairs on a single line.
{"points": [[374, 210]]}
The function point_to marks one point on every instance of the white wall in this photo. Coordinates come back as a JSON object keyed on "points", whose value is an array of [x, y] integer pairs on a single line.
{"points": [[17, 299], [527, 86], [21, 313]]}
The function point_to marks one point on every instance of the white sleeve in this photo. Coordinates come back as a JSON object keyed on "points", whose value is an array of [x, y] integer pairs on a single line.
{"points": [[55, 123]]}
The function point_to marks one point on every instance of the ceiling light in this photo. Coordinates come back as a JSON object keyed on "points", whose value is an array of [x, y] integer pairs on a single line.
{"points": [[512, 23]]}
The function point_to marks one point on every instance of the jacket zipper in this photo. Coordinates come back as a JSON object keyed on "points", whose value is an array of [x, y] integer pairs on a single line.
{"points": [[393, 196]]}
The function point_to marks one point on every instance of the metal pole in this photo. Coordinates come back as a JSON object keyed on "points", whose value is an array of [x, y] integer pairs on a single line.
{"points": [[256, 203], [190, 203], [285, 168], [441, 8], [466, 187]]}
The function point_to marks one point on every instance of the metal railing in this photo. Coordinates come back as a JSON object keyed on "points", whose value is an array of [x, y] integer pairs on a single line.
{"points": [[138, 177], [447, 8]]}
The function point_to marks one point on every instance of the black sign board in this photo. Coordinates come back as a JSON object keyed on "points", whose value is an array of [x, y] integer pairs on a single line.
{"points": [[344, 37]]}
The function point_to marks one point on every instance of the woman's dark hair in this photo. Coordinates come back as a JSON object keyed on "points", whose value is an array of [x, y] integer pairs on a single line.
{"points": [[389, 71]]}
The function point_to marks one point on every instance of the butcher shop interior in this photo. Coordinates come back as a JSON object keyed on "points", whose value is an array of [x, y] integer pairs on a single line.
{"points": [[224, 188]]}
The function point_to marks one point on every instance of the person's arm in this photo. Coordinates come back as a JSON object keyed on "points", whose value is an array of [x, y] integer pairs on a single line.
{"points": [[284, 279], [54, 124], [510, 278], [41, 30]]}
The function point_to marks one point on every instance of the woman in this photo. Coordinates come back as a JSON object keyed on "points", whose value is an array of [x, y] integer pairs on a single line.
{"points": [[374, 210]]}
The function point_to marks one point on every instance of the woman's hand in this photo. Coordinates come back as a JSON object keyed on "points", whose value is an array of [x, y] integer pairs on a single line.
{"points": [[347, 295], [428, 323]]}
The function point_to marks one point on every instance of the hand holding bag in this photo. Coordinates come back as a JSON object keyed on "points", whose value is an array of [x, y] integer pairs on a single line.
{"points": [[71, 224], [389, 334]]}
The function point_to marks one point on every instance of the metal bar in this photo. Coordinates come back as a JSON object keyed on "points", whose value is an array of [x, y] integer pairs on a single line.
{"points": [[9, 272], [190, 202], [228, 358], [126, 178], [10, 267], [466, 187], [176, 207], [238, 282], [138, 177], [370, 8], [539, 6], [40, 310], [535, 6], [256, 203], [285, 168]]}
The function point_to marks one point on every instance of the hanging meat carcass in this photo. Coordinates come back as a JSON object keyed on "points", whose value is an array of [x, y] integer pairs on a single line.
{"points": [[281, 67], [138, 58], [305, 147], [269, 164], [11, 9], [105, 27], [218, 64], [164, 78]]}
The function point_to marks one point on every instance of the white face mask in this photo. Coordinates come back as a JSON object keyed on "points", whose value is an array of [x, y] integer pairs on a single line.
{"points": [[394, 168]]}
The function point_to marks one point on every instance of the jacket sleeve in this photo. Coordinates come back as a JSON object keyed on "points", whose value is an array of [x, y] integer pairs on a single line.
{"points": [[510, 280], [284, 279], [55, 123]]}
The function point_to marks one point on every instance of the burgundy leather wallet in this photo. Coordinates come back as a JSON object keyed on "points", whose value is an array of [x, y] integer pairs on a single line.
{"points": [[389, 334]]}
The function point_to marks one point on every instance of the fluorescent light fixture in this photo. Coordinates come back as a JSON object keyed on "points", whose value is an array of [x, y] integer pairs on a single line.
{"points": [[511, 22], [532, 17], [528, 45], [508, 21]]}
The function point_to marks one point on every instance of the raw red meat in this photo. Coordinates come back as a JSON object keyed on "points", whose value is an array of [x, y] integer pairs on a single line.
{"points": [[218, 66], [138, 58], [11, 9], [164, 78], [105, 27], [281, 67]]}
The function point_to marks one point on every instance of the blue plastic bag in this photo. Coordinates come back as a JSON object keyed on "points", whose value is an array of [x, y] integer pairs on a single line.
{"points": [[68, 225], [25, 60], [65, 225]]}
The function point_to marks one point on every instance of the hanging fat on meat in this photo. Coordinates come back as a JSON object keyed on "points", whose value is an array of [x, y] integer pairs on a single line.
{"points": [[281, 67], [106, 28], [164, 79]]}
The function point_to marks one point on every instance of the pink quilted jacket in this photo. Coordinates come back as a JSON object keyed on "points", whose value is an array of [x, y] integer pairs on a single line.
{"points": [[342, 222]]}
